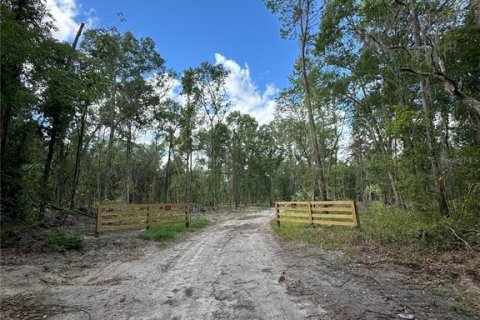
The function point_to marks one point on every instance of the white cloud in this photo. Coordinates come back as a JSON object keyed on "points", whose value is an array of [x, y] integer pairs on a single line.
{"points": [[244, 93], [65, 15]]}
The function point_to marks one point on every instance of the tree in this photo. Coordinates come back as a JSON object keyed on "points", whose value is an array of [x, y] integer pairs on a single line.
{"points": [[297, 16], [23, 31], [209, 88]]}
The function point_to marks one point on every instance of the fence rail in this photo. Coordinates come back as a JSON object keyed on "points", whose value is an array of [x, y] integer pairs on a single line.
{"points": [[121, 216], [318, 212]]}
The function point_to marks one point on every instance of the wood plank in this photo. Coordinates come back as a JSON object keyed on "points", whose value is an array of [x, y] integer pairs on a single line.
{"points": [[333, 202], [124, 227], [167, 213], [120, 219], [156, 223], [293, 202], [317, 209], [142, 214], [167, 218], [333, 216], [334, 223], [139, 206], [115, 210], [294, 210], [294, 215], [153, 217], [123, 213], [295, 220], [124, 207]]}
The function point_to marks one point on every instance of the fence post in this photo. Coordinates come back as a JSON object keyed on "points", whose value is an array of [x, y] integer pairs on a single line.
{"points": [[149, 217], [277, 212], [311, 213], [187, 215], [356, 220], [99, 222]]}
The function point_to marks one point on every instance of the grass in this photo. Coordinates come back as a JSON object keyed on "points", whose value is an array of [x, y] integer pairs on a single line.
{"points": [[62, 241], [389, 227], [416, 239], [168, 232]]}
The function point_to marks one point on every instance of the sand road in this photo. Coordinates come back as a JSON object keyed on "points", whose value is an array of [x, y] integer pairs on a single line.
{"points": [[230, 270]]}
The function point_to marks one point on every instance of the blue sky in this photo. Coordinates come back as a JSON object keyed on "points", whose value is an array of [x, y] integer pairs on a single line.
{"points": [[241, 34], [188, 32]]}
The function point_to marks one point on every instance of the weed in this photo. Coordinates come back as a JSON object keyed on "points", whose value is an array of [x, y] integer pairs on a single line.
{"points": [[62, 241], [415, 230], [167, 232]]}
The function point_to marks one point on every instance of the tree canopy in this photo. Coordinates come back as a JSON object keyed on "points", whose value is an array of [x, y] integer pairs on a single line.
{"points": [[383, 104]]}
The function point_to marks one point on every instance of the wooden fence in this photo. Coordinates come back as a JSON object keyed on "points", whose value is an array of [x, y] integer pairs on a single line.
{"points": [[138, 216], [340, 213]]}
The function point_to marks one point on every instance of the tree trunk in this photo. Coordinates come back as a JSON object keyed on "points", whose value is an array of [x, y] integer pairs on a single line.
{"points": [[78, 155], [317, 158], [6, 116], [129, 157], [432, 153], [234, 171], [187, 166], [108, 168], [213, 186], [426, 104], [167, 167], [46, 171]]}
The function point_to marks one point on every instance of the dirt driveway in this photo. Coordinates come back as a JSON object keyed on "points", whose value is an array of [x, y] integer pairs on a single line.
{"points": [[236, 269]]}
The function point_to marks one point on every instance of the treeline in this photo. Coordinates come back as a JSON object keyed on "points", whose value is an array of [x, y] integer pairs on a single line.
{"points": [[383, 105], [73, 116], [405, 77]]}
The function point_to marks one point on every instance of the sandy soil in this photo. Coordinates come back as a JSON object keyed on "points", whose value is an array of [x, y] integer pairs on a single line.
{"points": [[234, 269]]}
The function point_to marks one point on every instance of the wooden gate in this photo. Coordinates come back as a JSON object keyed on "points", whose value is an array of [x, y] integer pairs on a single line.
{"points": [[340, 213], [138, 216]]}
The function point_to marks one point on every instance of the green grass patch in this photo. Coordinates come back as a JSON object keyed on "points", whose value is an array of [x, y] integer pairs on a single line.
{"points": [[412, 230], [329, 237], [168, 232], [62, 241]]}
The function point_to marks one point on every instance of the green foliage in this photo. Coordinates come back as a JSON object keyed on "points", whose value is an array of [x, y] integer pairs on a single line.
{"points": [[413, 230], [62, 241], [76, 143], [168, 232], [302, 195]]}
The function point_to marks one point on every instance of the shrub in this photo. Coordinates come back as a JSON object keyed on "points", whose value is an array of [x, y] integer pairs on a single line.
{"points": [[61, 241], [390, 226]]}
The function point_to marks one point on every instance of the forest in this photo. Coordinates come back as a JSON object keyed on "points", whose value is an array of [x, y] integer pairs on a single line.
{"points": [[383, 105]]}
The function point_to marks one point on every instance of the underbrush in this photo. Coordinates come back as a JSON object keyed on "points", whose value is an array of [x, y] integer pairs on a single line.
{"points": [[62, 241], [413, 230], [445, 249], [167, 232]]}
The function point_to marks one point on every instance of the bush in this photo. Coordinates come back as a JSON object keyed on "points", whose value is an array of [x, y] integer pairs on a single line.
{"points": [[389, 226], [61, 241]]}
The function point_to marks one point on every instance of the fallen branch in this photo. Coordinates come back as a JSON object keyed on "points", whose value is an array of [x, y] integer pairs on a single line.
{"points": [[467, 245], [77, 211]]}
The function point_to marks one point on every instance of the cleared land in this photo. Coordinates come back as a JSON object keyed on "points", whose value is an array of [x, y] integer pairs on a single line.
{"points": [[234, 269]]}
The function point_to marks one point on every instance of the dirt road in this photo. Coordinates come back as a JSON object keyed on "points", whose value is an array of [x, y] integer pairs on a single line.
{"points": [[236, 269]]}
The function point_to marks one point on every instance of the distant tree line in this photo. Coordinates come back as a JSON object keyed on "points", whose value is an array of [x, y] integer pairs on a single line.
{"points": [[383, 105]]}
